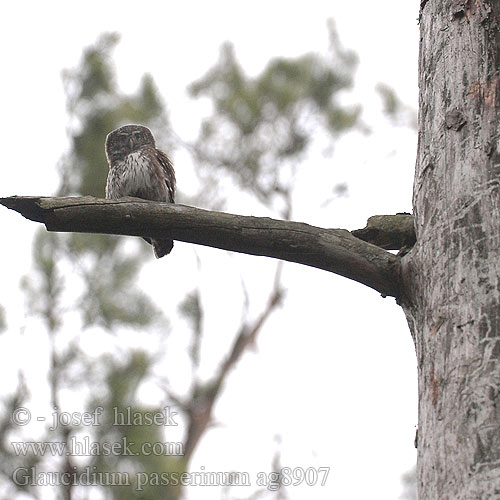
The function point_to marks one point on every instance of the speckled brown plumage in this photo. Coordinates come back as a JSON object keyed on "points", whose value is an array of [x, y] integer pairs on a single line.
{"points": [[137, 168]]}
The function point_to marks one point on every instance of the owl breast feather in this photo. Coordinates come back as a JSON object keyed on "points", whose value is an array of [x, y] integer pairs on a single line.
{"points": [[135, 176]]}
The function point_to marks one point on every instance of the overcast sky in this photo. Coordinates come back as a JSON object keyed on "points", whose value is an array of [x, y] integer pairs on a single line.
{"points": [[337, 377]]}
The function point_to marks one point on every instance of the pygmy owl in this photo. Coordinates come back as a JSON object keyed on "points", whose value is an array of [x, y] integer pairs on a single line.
{"points": [[137, 168]]}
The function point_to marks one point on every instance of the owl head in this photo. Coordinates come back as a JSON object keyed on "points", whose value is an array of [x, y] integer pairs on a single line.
{"points": [[125, 140]]}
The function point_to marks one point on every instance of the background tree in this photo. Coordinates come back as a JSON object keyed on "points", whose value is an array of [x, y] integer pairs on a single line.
{"points": [[102, 285], [448, 296], [261, 128], [299, 99]]}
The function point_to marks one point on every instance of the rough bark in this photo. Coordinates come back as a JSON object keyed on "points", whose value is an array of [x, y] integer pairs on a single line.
{"points": [[451, 276], [334, 250]]}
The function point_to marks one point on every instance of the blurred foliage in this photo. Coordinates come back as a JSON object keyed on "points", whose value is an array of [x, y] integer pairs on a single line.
{"points": [[392, 106], [390, 101], [191, 309], [95, 107], [9, 459], [124, 306], [44, 296], [260, 129], [122, 384], [409, 481], [261, 125], [91, 275], [3, 322]]}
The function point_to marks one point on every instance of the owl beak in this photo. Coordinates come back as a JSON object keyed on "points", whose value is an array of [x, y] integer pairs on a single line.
{"points": [[131, 143]]}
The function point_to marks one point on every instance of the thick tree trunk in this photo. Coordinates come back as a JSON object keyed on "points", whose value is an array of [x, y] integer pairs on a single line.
{"points": [[452, 274]]}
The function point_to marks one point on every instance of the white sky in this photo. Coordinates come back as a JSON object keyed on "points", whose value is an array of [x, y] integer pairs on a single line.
{"points": [[335, 372]]}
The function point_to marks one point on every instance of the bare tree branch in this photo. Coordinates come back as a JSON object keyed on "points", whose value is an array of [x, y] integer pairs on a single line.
{"points": [[334, 250], [204, 395]]}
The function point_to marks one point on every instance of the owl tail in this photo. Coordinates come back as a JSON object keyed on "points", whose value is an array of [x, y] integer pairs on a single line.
{"points": [[161, 247]]}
